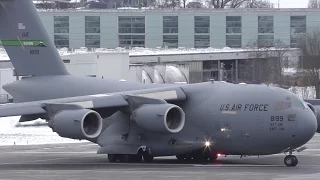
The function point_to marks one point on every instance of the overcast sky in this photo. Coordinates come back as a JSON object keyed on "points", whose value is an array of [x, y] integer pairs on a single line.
{"points": [[291, 3]]}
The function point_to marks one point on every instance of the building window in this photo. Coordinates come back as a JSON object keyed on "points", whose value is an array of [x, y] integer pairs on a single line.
{"points": [[233, 24], [170, 24], [61, 41], [131, 40], [92, 41], [170, 41], [61, 24], [134, 24], [298, 25], [265, 24], [201, 41], [233, 41], [265, 40], [92, 24], [202, 24], [296, 39]]}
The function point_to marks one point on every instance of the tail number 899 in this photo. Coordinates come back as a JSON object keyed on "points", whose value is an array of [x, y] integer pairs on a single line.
{"points": [[276, 118]]}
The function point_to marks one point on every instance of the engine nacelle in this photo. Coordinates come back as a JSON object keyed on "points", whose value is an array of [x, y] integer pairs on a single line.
{"points": [[316, 111], [159, 118], [77, 124]]}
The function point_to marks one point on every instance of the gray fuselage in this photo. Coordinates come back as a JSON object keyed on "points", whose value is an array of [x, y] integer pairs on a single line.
{"points": [[237, 119]]}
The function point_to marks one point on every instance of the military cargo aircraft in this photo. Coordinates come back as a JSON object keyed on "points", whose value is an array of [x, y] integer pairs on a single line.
{"points": [[134, 122]]}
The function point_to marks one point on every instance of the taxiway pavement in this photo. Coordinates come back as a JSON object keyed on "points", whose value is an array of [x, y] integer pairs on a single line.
{"points": [[80, 161]]}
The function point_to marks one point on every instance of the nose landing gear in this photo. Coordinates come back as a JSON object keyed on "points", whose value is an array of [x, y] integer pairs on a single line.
{"points": [[290, 160]]}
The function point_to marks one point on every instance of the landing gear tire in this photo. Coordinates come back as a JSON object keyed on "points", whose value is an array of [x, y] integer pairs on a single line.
{"points": [[181, 157], [124, 158], [147, 158], [135, 158], [290, 160], [112, 157]]}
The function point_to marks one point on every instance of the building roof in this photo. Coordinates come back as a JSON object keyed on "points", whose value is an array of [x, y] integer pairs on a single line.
{"points": [[134, 52]]}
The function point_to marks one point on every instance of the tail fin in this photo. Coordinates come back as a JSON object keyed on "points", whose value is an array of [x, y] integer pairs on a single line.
{"points": [[26, 40]]}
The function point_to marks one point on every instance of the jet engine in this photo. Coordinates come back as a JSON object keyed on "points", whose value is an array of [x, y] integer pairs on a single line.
{"points": [[77, 124], [316, 111], [159, 118]]}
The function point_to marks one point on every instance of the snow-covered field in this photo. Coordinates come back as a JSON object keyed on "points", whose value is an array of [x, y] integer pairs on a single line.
{"points": [[11, 135]]}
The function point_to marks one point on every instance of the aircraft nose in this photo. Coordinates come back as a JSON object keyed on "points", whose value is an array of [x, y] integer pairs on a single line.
{"points": [[307, 126]]}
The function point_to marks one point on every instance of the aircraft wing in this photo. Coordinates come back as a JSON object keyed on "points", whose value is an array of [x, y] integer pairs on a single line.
{"points": [[36, 109]]}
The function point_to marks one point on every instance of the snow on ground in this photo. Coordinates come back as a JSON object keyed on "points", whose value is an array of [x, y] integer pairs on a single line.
{"points": [[304, 92], [140, 51], [11, 135]]}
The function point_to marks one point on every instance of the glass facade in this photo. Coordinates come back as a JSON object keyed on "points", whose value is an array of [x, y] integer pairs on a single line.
{"points": [[265, 40], [202, 31], [202, 24], [92, 41], [131, 31], [61, 41], [61, 31], [128, 24], [201, 41], [233, 41], [170, 41], [233, 24], [92, 31], [131, 40], [61, 24], [170, 24], [92, 24], [265, 24], [234, 30], [298, 28]]}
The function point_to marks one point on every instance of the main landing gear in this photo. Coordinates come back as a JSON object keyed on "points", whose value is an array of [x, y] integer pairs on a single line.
{"points": [[198, 156], [131, 158]]}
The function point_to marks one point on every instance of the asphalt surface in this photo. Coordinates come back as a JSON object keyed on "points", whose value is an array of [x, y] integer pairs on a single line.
{"points": [[80, 161]]}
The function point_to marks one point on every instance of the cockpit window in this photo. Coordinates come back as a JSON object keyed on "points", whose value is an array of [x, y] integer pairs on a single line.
{"points": [[290, 102], [286, 105], [282, 105], [299, 103]]}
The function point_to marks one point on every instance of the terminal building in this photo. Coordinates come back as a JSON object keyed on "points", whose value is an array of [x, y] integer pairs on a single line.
{"points": [[172, 28]]}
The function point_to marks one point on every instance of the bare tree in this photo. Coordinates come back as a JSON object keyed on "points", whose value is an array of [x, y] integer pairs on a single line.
{"points": [[314, 4], [258, 4], [310, 63], [196, 4], [221, 4], [269, 62], [168, 3], [184, 3]]}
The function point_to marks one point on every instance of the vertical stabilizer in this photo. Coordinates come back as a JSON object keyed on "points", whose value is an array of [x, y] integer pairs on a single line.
{"points": [[26, 40]]}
